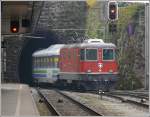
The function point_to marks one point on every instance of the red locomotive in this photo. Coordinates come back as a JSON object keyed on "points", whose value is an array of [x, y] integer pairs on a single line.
{"points": [[88, 65]]}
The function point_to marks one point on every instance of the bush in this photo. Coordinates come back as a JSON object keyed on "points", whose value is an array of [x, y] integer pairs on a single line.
{"points": [[130, 83]]}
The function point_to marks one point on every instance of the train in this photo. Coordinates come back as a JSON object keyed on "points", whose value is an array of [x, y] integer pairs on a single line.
{"points": [[90, 65]]}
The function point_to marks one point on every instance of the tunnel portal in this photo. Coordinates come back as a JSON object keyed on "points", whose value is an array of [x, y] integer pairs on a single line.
{"points": [[32, 45]]}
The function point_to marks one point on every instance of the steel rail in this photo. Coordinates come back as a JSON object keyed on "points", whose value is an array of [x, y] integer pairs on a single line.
{"points": [[127, 100], [91, 111], [137, 103], [132, 95]]}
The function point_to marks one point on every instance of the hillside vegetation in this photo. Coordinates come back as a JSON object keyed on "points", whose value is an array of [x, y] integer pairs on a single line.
{"points": [[130, 49]]}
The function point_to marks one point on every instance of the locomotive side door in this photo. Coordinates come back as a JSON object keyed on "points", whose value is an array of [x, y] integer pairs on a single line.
{"points": [[77, 51]]}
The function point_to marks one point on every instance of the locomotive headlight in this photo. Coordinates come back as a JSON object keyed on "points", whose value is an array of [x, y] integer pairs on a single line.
{"points": [[89, 71], [110, 70]]}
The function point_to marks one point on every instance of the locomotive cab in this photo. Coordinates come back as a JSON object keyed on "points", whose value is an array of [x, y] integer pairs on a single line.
{"points": [[98, 62]]}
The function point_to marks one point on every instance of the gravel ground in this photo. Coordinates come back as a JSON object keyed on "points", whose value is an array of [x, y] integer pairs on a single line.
{"points": [[108, 106]]}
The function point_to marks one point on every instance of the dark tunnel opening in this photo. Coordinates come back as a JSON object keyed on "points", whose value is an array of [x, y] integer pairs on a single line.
{"points": [[25, 61]]}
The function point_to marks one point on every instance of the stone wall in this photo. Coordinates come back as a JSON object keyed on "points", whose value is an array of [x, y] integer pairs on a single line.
{"points": [[62, 18], [13, 48]]}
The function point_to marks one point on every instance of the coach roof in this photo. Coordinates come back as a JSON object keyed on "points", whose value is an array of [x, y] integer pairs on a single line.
{"points": [[50, 51]]}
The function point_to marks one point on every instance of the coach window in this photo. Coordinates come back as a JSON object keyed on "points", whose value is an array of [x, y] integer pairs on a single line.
{"points": [[53, 62], [45, 62], [49, 62], [108, 54], [49, 65], [41, 61], [91, 54], [38, 62], [82, 54]]}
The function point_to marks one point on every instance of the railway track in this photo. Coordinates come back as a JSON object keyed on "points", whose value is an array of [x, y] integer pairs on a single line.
{"points": [[133, 94], [127, 100], [61, 104]]}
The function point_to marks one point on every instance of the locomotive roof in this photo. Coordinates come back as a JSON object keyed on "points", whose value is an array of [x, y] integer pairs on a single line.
{"points": [[50, 51], [89, 44]]}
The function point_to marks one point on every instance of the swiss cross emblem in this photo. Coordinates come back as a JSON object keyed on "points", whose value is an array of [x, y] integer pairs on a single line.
{"points": [[100, 65]]}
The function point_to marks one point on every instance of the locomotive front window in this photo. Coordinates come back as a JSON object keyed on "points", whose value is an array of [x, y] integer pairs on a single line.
{"points": [[91, 54], [108, 54]]}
